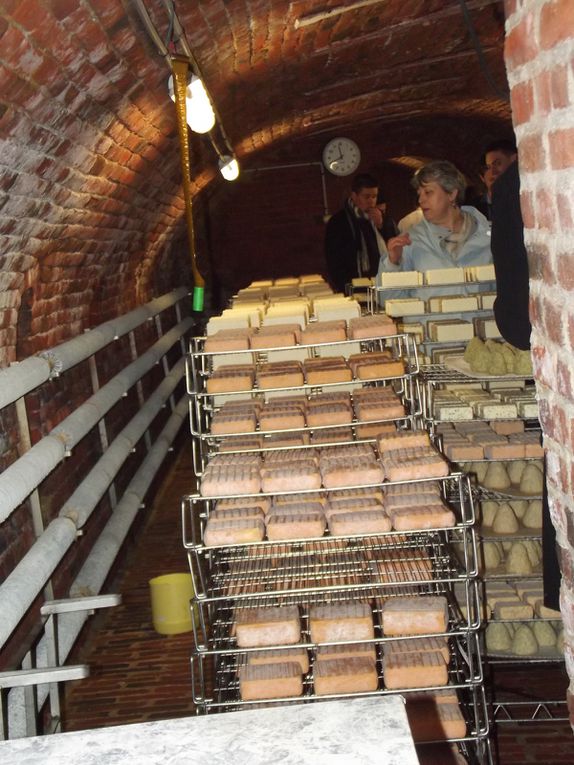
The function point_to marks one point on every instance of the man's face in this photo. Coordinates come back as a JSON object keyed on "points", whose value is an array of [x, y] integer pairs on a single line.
{"points": [[365, 199], [496, 163]]}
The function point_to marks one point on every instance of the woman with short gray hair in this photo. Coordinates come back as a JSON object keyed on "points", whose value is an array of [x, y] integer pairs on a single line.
{"points": [[449, 236]]}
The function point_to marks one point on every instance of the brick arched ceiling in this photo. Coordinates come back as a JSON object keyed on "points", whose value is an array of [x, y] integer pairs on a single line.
{"points": [[89, 161]]}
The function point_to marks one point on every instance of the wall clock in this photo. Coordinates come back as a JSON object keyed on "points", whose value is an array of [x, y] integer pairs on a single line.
{"points": [[341, 156]]}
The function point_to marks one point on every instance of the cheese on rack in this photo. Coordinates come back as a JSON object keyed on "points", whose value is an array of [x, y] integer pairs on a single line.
{"points": [[258, 627], [230, 532], [356, 674], [401, 279], [486, 329], [327, 370], [433, 721], [228, 340], [336, 307], [444, 276], [486, 300], [414, 615], [351, 620], [359, 522], [270, 681], [375, 365], [450, 330], [230, 378], [404, 306], [291, 525], [324, 332], [453, 304], [280, 374], [480, 273], [414, 670], [371, 327], [279, 655]]}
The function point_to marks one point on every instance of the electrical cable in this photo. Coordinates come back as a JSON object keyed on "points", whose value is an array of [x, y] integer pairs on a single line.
{"points": [[504, 95]]}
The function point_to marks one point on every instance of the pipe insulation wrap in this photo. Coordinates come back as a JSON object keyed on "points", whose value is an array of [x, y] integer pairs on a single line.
{"points": [[97, 565], [19, 379], [85, 498], [70, 353], [22, 476], [92, 575], [87, 416], [21, 587]]}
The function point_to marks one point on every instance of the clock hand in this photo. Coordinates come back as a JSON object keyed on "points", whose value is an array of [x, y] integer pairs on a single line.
{"points": [[340, 152]]}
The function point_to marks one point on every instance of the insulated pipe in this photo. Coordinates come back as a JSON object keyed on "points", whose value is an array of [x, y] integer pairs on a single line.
{"points": [[24, 475], [21, 587], [87, 495], [97, 565], [19, 379], [70, 353]]}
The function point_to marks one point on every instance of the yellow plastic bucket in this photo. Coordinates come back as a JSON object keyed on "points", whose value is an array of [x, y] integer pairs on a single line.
{"points": [[170, 603]]}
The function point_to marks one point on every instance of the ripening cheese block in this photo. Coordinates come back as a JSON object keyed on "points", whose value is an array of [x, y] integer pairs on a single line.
{"points": [[359, 522], [241, 479], [259, 627], [280, 655], [369, 327], [456, 304], [227, 340], [230, 378], [483, 273], [401, 279], [487, 300], [404, 306], [447, 330], [431, 721], [415, 615], [444, 276], [231, 532], [335, 622], [414, 670], [513, 609], [418, 646], [487, 329], [295, 526], [270, 681], [429, 517], [346, 651], [356, 674]]}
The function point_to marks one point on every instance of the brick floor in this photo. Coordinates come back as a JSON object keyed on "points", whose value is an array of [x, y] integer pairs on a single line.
{"points": [[138, 675]]}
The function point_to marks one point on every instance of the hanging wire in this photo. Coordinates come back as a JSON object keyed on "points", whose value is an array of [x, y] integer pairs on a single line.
{"points": [[169, 41], [504, 95]]}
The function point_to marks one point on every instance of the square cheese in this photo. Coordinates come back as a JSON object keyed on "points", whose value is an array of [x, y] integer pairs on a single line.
{"points": [[445, 276]]}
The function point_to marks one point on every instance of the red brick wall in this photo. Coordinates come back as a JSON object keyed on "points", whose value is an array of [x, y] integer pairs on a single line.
{"points": [[539, 52]]}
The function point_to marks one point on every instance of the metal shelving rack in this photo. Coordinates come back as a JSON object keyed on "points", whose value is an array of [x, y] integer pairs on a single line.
{"points": [[329, 569], [507, 710]]}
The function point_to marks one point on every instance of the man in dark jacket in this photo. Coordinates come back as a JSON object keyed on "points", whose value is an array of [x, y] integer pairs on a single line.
{"points": [[353, 245]]}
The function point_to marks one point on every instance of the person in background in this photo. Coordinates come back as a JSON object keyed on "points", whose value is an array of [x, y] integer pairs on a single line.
{"points": [[448, 235], [353, 245], [386, 226], [511, 312], [497, 157]]}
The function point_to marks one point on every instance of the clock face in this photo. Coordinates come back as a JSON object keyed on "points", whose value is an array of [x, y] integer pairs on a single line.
{"points": [[341, 156]]}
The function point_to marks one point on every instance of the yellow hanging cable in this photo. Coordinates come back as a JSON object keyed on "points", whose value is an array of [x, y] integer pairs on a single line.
{"points": [[180, 68]]}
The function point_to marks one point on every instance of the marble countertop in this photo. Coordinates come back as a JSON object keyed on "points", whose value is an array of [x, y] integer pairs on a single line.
{"points": [[353, 731]]}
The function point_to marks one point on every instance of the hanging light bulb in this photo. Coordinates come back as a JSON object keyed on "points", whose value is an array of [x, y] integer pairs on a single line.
{"points": [[199, 112], [228, 167]]}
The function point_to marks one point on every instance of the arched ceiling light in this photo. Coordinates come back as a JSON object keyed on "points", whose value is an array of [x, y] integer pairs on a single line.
{"points": [[199, 112], [229, 167]]}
